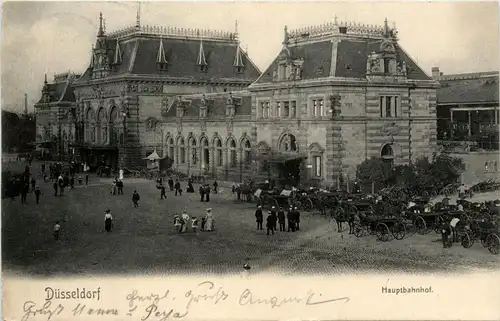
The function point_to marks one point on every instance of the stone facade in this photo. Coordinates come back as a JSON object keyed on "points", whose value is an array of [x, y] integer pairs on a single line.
{"points": [[136, 74], [320, 102]]}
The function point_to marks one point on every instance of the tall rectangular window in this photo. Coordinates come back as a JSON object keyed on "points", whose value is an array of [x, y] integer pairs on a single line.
{"points": [[293, 109], [286, 109], [317, 166], [315, 108], [321, 108], [264, 109], [388, 108], [318, 109], [278, 109]]}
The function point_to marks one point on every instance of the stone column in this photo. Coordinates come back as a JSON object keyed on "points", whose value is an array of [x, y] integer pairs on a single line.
{"points": [[469, 122]]}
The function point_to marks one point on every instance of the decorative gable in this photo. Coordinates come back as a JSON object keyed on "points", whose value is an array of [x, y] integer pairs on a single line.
{"points": [[201, 61], [161, 60]]}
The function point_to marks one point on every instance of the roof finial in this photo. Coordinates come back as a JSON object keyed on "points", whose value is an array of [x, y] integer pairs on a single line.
{"points": [[161, 59], [335, 20], [104, 26], [101, 32], [236, 27], [45, 82], [386, 28], [285, 40], [201, 61], [138, 19]]}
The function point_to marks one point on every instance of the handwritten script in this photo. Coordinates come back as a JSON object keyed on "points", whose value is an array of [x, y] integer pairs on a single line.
{"points": [[167, 305]]}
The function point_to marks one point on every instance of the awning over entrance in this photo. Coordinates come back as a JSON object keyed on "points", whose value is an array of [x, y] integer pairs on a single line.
{"points": [[280, 159]]}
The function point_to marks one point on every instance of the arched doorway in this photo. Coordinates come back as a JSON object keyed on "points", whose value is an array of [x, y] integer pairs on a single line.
{"points": [[387, 154], [289, 165]]}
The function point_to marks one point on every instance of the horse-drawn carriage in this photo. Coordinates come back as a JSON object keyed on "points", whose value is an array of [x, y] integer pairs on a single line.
{"points": [[483, 230], [382, 227], [268, 199]]}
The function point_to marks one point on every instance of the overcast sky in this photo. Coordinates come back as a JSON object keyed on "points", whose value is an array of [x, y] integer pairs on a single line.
{"points": [[53, 37]]}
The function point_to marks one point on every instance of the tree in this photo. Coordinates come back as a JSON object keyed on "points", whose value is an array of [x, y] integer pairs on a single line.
{"points": [[374, 170]]}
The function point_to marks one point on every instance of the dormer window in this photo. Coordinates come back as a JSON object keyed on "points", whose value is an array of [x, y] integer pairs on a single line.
{"points": [[161, 59], [203, 68], [239, 70]]}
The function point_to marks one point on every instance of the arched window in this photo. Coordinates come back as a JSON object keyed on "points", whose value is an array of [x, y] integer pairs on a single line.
{"points": [[246, 152], [170, 144], [181, 151], [288, 143], [495, 166], [102, 128], [205, 153], [192, 151], [219, 159], [231, 147], [90, 128], [387, 154], [115, 127]]}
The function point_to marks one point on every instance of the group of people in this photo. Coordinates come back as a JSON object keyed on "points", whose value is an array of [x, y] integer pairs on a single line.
{"points": [[181, 222], [274, 217]]}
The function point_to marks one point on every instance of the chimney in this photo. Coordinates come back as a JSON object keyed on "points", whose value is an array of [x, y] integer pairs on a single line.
{"points": [[435, 72], [26, 104]]}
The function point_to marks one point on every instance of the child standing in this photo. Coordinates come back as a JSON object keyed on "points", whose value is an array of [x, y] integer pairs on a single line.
{"points": [[177, 223], [37, 194], [57, 228], [194, 224], [136, 198]]}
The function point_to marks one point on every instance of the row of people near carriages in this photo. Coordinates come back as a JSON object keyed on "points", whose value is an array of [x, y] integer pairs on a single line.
{"points": [[278, 216]]}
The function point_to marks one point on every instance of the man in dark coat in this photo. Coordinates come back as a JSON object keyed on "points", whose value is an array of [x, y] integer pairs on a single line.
{"points": [[171, 183], [289, 216], [445, 232], [163, 190], [119, 184], [270, 222], [55, 188], [177, 187], [37, 194], [24, 193], [281, 219], [215, 187], [275, 217], [296, 218], [202, 193], [207, 193], [135, 199], [259, 217]]}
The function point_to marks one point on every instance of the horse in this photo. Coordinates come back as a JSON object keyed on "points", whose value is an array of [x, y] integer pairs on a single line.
{"points": [[341, 215]]}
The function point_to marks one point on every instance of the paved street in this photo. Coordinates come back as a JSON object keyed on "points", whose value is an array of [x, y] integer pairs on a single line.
{"points": [[144, 240]]}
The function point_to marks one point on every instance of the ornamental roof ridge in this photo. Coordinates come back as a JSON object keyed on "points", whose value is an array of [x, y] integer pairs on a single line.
{"points": [[206, 34], [332, 28]]}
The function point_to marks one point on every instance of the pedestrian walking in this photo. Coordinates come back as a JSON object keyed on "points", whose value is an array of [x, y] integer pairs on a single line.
{"points": [[207, 193], [57, 229], [270, 223], [453, 227], [55, 188], [135, 198], [215, 187], [33, 184], [119, 184], [275, 217], [86, 180], [209, 221], [163, 192], [171, 183], [80, 180], [445, 232], [72, 182], [289, 216], [259, 217], [37, 194], [203, 222], [177, 187], [281, 219], [296, 218], [177, 222], [108, 221], [202, 193], [461, 192], [184, 221]]}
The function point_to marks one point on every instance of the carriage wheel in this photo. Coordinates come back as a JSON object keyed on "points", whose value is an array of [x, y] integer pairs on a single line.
{"points": [[466, 240], [493, 242], [398, 230], [358, 230], [420, 225], [382, 232]]}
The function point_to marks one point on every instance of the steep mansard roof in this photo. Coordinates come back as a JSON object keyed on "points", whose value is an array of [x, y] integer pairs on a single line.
{"points": [[350, 58], [59, 91], [139, 57]]}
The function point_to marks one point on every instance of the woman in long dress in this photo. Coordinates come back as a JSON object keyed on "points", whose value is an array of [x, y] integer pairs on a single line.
{"points": [[209, 220], [108, 221]]}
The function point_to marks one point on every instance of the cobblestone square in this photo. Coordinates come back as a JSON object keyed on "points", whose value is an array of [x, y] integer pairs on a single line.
{"points": [[144, 239]]}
